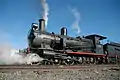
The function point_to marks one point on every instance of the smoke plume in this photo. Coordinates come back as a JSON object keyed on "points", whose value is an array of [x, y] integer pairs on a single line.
{"points": [[45, 13], [75, 24]]}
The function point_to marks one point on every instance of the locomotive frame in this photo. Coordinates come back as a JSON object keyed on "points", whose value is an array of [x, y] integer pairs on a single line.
{"points": [[63, 49]]}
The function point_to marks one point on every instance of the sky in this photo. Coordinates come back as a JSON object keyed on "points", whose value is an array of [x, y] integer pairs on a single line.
{"points": [[93, 16]]}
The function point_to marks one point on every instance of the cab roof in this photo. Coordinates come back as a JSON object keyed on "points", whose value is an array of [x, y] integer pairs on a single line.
{"points": [[95, 35]]}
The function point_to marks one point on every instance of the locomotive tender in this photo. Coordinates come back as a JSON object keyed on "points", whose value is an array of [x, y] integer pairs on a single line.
{"points": [[63, 49]]}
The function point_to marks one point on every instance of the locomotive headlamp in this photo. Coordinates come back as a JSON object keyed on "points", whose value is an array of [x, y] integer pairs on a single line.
{"points": [[35, 26]]}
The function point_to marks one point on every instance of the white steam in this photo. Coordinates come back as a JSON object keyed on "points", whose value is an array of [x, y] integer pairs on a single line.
{"points": [[45, 11], [75, 24], [12, 56], [8, 55]]}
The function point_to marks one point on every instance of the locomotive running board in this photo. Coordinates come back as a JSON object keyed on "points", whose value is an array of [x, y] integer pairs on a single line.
{"points": [[87, 54]]}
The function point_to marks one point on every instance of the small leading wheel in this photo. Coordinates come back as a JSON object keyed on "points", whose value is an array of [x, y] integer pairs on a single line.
{"points": [[56, 61], [46, 62]]}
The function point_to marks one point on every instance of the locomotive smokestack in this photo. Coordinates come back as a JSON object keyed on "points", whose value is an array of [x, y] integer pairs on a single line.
{"points": [[42, 25]]}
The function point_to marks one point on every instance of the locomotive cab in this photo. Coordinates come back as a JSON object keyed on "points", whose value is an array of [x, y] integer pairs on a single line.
{"points": [[98, 47]]}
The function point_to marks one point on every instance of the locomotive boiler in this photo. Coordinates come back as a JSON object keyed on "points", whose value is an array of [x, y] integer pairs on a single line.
{"points": [[63, 49], [39, 38]]}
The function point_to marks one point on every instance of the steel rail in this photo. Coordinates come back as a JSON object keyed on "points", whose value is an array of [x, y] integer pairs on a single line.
{"points": [[41, 67]]}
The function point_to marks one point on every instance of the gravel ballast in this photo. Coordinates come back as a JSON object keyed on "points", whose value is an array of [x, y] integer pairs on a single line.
{"points": [[87, 74]]}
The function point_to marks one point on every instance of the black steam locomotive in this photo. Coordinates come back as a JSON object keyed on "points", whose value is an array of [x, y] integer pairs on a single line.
{"points": [[63, 49]]}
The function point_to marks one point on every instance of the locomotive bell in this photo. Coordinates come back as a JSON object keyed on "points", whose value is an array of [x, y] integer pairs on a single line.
{"points": [[41, 24], [64, 31]]}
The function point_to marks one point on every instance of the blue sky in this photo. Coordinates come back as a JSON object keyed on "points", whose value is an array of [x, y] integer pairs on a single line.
{"points": [[96, 16]]}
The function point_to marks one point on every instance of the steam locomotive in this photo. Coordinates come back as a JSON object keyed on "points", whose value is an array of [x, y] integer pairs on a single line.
{"points": [[62, 49]]}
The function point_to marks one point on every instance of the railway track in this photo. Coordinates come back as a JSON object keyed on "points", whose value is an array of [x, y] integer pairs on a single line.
{"points": [[47, 68]]}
